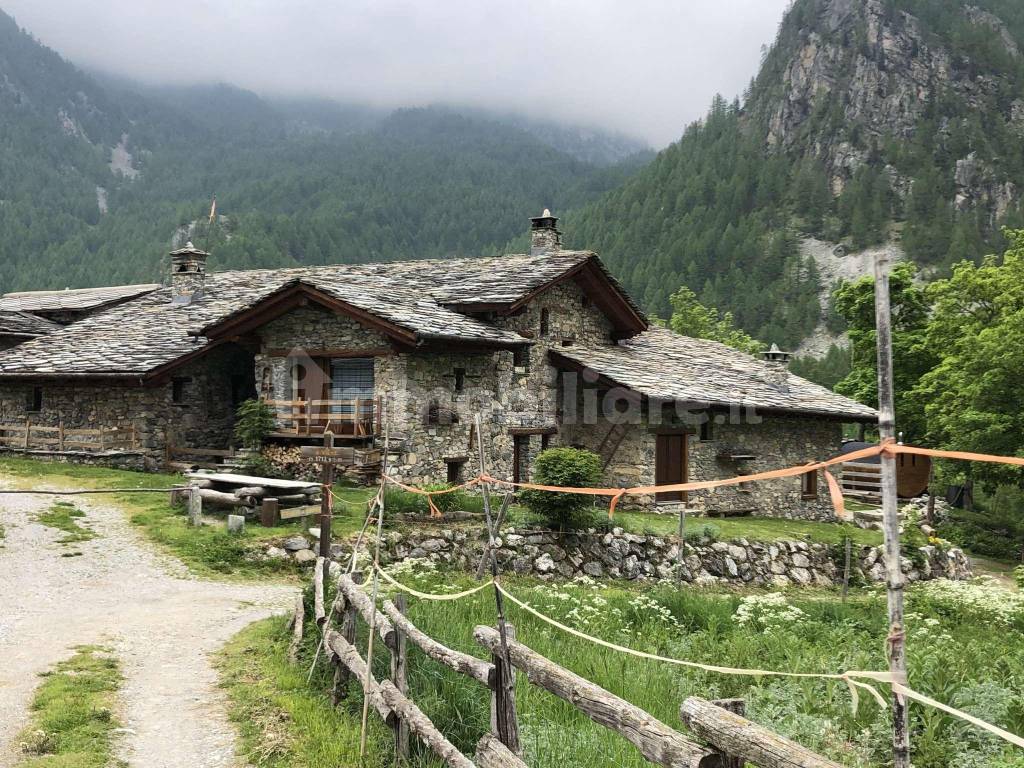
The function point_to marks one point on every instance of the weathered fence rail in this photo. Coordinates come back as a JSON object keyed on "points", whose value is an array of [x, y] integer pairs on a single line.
{"points": [[721, 737], [29, 436]]}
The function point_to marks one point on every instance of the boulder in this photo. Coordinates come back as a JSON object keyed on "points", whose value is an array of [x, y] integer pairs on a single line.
{"points": [[593, 568], [276, 553], [295, 543], [544, 564], [303, 556]]}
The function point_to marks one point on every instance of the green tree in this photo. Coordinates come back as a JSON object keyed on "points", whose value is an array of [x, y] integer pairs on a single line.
{"points": [[691, 318], [569, 468], [912, 355], [971, 397]]}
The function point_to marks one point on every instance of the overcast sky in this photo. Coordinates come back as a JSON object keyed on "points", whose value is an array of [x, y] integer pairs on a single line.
{"points": [[643, 67]]}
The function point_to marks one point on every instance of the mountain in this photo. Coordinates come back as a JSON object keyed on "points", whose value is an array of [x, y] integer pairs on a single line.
{"points": [[872, 123], [102, 176]]}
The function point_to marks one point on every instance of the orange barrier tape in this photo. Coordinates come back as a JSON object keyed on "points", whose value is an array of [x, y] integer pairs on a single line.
{"points": [[434, 511], [889, 448]]}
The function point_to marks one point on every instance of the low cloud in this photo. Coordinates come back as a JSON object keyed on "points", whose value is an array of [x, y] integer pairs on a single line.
{"points": [[646, 67]]}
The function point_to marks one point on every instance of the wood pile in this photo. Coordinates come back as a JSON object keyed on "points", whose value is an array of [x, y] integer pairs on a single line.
{"points": [[247, 492]]}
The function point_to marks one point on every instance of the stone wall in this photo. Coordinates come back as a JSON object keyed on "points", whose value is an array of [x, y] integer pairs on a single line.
{"points": [[773, 442], [205, 418], [619, 555]]}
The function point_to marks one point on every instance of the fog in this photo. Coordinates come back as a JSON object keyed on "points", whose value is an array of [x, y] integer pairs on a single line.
{"points": [[644, 67]]}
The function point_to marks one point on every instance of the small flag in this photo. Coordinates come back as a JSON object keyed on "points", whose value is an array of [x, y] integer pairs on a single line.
{"points": [[213, 209]]}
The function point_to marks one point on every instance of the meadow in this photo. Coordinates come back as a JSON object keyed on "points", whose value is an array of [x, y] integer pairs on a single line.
{"points": [[965, 648]]}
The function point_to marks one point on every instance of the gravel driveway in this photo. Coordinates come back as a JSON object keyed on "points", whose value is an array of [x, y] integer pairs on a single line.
{"points": [[162, 624]]}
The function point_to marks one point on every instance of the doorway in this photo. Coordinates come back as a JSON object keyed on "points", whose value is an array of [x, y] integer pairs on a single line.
{"points": [[670, 465]]}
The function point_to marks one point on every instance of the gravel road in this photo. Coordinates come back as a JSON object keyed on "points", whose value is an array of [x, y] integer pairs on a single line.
{"points": [[161, 623]]}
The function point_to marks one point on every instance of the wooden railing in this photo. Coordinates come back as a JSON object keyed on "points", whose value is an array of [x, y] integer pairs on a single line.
{"points": [[28, 436], [728, 738], [864, 480], [359, 417]]}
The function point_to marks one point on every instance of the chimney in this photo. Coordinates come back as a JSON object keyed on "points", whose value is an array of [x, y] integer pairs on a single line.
{"points": [[544, 234], [188, 274], [777, 364]]}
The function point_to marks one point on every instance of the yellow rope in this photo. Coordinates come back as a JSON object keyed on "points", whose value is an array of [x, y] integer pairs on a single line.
{"points": [[428, 595]]}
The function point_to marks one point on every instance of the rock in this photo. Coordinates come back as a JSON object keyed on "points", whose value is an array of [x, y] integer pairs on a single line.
{"points": [[295, 543], [801, 561], [556, 552], [777, 567], [927, 530], [276, 553], [631, 567], [522, 565], [544, 564], [780, 581], [565, 570], [303, 556], [730, 567], [739, 554], [434, 545], [236, 523], [417, 553], [800, 575], [593, 568]]}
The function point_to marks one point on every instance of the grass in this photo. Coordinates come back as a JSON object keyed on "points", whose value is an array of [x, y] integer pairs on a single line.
{"points": [[64, 516], [72, 721], [282, 721], [755, 528], [954, 656]]}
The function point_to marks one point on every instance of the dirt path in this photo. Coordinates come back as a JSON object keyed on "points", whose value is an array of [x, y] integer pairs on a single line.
{"points": [[162, 624]]}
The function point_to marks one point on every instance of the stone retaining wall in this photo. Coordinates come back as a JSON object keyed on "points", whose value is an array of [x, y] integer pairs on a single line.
{"points": [[620, 555]]}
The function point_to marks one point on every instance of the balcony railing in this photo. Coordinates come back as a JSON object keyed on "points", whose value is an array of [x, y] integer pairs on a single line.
{"points": [[359, 417]]}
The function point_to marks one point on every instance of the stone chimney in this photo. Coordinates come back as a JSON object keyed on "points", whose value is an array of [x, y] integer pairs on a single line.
{"points": [[777, 364], [544, 234], [188, 274]]}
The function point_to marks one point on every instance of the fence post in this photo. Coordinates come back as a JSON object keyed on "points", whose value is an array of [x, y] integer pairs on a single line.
{"points": [[270, 513], [60, 435], [503, 698], [195, 506], [326, 506], [28, 431], [737, 707], [846, 568], [398, 677], [348, 631]]}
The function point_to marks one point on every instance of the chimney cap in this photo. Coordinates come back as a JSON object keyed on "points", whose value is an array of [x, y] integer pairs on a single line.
{"points": [[545, 221], [189, 249], [776, 355]]}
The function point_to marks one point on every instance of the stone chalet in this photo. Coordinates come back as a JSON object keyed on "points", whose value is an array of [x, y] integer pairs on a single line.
{"points": [[547, 347]]}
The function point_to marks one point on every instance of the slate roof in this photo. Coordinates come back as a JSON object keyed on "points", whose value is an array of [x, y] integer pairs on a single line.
{"points": [[78, 299], [145, 333], [24, 324], [666, 366]]}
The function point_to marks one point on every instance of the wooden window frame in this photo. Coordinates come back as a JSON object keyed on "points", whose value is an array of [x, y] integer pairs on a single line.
{"points": [[809, 486], [460, 379], [34, 400], [178, 393]]}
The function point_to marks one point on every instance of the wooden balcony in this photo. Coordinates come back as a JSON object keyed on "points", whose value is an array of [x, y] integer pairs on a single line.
{"points": [[354, 419]]}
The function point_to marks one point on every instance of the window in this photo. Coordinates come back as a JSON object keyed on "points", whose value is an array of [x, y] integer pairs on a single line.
{"points": [[707, 429], [454, 472], [809, 485], [520, 458], [178, 390], [34, 400], [545, 322], [521, 358], [460, 379], [567, 342], [545, 442]]}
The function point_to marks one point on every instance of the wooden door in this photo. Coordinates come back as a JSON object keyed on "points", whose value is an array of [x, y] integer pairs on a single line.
{"points": [[670, 465], [520, 458]]}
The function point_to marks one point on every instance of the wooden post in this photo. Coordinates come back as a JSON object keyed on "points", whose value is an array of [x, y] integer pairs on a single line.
{"points": [[503, 695], [270, 513], [327, 481], [737, 707], [195, 506], [846, 569], [682, 541], [60, 435], [348, 631], [506, 723], [485, 558], [398, 677], [28, 431], [890, 515]]}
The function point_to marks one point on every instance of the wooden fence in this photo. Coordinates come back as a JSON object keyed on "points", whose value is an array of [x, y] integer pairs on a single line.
{"points": [[727, 739], [27, 436], [862, 480], [183, 458]]}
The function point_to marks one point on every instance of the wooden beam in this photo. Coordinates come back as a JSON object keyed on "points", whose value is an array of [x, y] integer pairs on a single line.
{"points": [[491, 753], [657, 742], [420, 724], [362, 603], [476, 668], [346, 654], [368, 352], [736, 736]]}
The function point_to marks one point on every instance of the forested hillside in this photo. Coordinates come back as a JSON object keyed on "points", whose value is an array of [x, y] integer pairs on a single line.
{"points": [[98, 177], [896, 121]]}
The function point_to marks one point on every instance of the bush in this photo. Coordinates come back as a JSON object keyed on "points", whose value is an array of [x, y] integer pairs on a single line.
{"points": [[399, 502], [1018, 574], [701, 534], [254, 421], [569, 467]]}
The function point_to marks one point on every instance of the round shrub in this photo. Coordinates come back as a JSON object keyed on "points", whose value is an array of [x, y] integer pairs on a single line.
{"points": [[571, 468]]}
